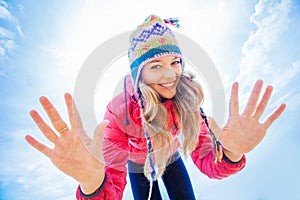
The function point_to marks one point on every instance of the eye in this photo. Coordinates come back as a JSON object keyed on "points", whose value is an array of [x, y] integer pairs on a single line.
{"points": [[155, 67], [176, 62]]}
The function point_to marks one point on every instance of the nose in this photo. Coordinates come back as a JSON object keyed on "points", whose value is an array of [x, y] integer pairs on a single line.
{"points": [[169, 73]]}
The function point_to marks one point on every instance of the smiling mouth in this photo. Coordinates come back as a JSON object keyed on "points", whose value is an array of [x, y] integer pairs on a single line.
{"points": [[168, 85]]}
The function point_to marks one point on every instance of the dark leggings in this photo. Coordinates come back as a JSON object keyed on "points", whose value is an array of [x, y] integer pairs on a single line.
{"points": [[175, 178]]}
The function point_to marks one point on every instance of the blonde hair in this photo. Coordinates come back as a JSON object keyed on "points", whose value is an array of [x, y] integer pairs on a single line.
{"points": [[187, 101]]}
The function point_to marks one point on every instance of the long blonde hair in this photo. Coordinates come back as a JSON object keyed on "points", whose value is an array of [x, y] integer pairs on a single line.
{"points": [[187, 101]]}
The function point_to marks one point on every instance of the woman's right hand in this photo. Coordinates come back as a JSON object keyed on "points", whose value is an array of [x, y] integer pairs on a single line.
{"points": [[74, 152]]}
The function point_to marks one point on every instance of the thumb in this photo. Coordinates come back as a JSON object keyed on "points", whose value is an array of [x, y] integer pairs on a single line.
{"points": [[99, 131], [97, 142], [214, 126]]}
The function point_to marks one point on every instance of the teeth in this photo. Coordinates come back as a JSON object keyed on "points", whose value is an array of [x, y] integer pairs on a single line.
{"points": [[168, 84]]}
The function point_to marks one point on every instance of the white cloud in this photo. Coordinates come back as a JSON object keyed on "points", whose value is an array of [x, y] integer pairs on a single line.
{"points": [[21, 8], [5, 13], [7, 37], [283, 76], [6, 41], [19, 29], [272, 21], [4, 33]]}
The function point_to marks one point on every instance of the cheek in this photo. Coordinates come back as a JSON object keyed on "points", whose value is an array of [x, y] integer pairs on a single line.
{"points": [[150, 81], [150, 78], [154, 87], [177, 70], [145, 75]]}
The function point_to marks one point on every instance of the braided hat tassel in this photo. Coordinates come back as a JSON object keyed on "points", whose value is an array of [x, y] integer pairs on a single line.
{"points": [[149, 148], [217, 146]]}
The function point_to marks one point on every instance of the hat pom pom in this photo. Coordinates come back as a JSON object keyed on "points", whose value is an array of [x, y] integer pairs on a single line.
{"points": [[173, 22]]}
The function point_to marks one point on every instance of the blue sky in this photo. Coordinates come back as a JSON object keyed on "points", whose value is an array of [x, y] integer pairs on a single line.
{"points": [[44, 44]]}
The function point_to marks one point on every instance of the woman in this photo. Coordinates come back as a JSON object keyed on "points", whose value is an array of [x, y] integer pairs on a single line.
{"points": [[157, 114]]}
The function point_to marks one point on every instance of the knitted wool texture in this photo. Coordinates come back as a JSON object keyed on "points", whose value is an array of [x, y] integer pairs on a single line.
{"points": [[152, 39]]}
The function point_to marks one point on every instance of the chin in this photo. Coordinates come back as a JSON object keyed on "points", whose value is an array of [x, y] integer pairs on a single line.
{"points": [[168, 96]]}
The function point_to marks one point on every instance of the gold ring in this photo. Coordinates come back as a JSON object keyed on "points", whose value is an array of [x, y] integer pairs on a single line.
{"points": [[63, 130]]}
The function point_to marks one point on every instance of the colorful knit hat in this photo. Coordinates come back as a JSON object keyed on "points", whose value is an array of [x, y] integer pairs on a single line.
{"points": [[150, 40]]}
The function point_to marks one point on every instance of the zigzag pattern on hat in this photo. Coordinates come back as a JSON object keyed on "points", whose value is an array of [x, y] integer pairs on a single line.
{"points": [[157, 29]]}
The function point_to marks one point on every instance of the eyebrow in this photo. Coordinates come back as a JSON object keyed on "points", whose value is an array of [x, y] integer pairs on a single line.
{"points": [[159, 60]]}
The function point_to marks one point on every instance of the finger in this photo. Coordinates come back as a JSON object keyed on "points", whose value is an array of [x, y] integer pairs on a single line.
{"points": [[252, 102], [46, 130], [269, 121], [39, 146], [234, 100], [75, 119], [74, 116], [54, 116], [263, 103]]}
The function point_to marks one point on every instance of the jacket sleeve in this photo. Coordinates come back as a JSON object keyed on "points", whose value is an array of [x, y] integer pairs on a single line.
{"points": [[203, 157], [115, 150]]}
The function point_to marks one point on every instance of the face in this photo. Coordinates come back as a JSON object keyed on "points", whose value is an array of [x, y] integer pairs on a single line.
{"points": [[162, 75]]}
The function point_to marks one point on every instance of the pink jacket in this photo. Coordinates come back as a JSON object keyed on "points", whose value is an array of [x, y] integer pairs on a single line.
{"points": [[127, 142]]}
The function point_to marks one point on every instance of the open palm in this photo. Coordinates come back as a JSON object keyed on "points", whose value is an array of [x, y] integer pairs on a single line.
{"points": [[74, 152], [243, 132]]}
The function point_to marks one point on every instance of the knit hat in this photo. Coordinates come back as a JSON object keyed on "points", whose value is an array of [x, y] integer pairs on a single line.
{"points": [[152, 39]]}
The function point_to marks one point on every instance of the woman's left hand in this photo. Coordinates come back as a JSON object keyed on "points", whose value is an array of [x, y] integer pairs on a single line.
{"points": [[243, 132]]}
